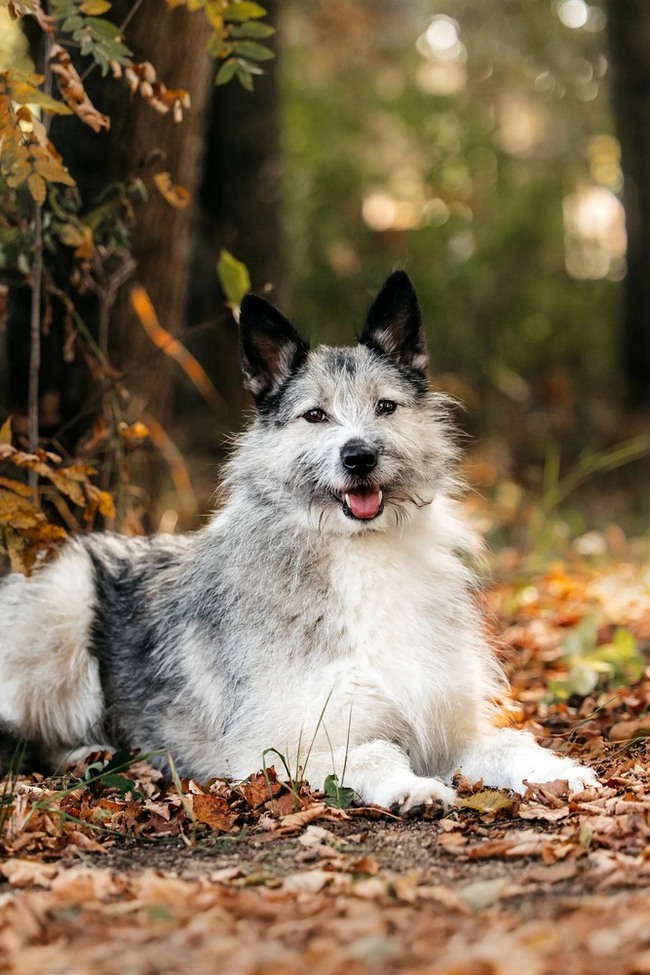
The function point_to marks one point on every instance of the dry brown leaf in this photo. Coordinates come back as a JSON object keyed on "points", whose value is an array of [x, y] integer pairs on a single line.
{"points": [[630, 729], [23, 873], [37, 187], [18, 487], [72, 88], [213, 811], [534, 810], [484, 893], [309, 882], [18, 512], [260, 788]]}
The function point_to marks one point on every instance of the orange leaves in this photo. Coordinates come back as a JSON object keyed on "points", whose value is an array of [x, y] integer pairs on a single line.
{"points": [[73, 91], [213, 811], [25, 533], [177, 196], [28, 157], [141, 78], [260, 788], [172, 347]]}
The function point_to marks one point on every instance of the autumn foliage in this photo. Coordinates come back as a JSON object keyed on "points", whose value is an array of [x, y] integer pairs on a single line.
{"points": [[46, 225]]}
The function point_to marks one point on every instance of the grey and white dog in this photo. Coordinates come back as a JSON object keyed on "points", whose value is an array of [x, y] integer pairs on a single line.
{"points": [[325, 611]]}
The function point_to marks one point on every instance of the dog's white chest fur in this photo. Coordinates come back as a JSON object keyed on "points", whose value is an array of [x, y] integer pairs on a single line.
{"points": [[402, 664]]}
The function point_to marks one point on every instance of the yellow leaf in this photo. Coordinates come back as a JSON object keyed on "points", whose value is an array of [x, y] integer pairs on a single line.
{"points": [[70, 234], [21, 557], [488, 801], [94, 8], [17, 487], [53, 171], [37, 187], [17, 512], [44, 534], [176, 196], [99, 501], [68, 486], [25, 91], [5, 431], [84, 251], [135, 431], [106, 504]]}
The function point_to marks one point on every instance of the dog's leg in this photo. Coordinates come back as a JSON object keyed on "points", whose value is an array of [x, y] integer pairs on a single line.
{"points": [[379, 772], [507, 758]]}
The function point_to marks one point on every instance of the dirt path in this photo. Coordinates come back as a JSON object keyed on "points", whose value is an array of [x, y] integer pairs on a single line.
{"points": [[360, 896]]}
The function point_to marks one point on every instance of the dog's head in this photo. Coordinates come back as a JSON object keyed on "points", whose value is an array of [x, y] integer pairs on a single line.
{"points": [[354, 433]]}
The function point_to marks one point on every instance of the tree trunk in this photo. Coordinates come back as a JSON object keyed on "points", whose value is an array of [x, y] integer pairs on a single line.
{"points": [[629, 42], [174, 42], [240, 202]]}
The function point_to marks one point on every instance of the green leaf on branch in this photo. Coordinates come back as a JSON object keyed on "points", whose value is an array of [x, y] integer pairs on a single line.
{"points": [[241, 10], [233, 277], [250, 49], [226, 72], [252, 29], [97, 37]]}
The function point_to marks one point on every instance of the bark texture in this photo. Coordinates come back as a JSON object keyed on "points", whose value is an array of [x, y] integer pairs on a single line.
{"points": [[629, 42]]}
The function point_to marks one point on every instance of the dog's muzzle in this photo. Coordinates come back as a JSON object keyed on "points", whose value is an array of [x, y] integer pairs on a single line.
{"points": [[359, 460]]}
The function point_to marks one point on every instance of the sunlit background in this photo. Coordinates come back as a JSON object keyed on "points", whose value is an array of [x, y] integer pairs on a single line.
{"points": [[472, 142]]}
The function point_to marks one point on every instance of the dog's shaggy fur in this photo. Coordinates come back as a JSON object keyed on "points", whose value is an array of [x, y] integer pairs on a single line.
{"points": [[326, 610]]}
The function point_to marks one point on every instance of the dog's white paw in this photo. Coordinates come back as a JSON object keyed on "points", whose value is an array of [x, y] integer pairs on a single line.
{"points": [[406, 791], [578, 776]]}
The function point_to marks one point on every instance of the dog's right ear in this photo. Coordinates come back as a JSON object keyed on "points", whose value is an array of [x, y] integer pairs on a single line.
{"points": [[394, 324], [271, 349]]}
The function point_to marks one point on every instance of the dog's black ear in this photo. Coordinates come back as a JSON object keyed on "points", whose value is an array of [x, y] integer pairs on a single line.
{"points": [[271, 349], [394, 324]]}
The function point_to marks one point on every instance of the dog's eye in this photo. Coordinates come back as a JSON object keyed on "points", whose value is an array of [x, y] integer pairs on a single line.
{"points": [[315, 416], [385, 407]]}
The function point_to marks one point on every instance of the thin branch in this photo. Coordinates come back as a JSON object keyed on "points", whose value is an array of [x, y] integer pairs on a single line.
{"points": [[35, 342], [121, 27], [37, 294]]}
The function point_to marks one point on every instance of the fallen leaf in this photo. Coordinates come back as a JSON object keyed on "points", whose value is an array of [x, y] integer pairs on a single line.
{"points": [[483, 893], [213, 812], [260, 788], [630, 729], [488, 801], [24, 873]]}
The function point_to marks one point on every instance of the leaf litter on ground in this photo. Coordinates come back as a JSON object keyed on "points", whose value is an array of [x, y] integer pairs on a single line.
{"points": [[265, 876]]}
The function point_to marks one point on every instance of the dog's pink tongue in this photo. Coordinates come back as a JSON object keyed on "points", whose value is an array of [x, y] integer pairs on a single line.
{"points": [[364, 503]]}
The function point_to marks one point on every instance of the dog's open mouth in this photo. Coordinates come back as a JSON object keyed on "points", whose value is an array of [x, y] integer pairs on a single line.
{"points": [[364, 504]]}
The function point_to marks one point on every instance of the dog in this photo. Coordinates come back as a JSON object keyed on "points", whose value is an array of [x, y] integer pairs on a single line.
{"points": [[325, 613]]}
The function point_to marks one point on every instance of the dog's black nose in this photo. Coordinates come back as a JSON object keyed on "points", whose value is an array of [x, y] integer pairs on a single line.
{"points": [[358, 457]]}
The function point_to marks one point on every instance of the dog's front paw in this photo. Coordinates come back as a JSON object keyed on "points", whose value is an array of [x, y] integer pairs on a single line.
{"points": [[405, 791], [578, 776]]}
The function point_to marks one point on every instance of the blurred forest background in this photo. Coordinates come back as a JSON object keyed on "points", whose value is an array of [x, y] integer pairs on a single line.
{"points": [[499, 150]]}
